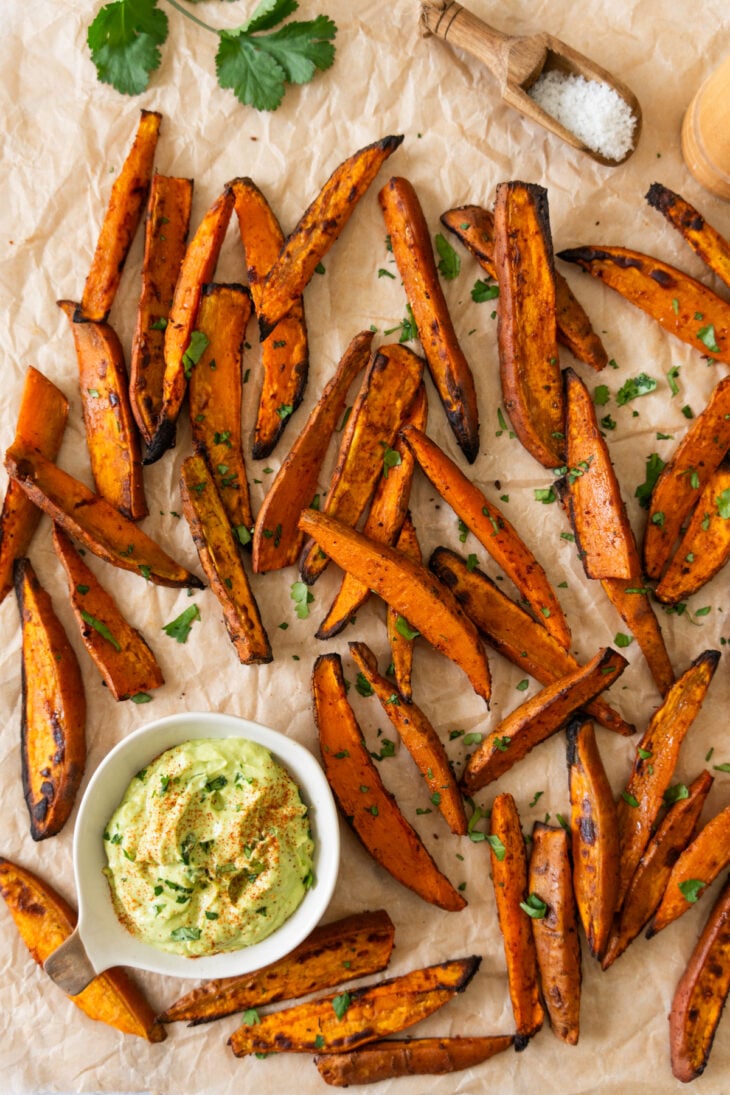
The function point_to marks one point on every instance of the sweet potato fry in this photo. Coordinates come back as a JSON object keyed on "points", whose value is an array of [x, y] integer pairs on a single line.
{"points": [[166, 232], [111, 432], [89, 518], [538, 718], [631, 601], [655, 761], [705, 546], [335, 1024], [53, 717], [119, 652], [400, 637], [221, 561], [698, 865], [701, 994], [556, 932], [526, 331], [319, 227], [413, 252], [391, 1058], [41, 422], [419, 738], [44, 920], [594, 833], [509, 875], [277, 540], [407, 587], [373, 813], [713, 249], [124, 212]]}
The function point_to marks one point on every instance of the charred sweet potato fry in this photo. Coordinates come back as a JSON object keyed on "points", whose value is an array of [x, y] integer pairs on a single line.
{"points": [[655, 761], [221, 561], [391, 1058], [124, 212], [41, 422], [373, 814], [277, 540], [419, 738], [409, 588], [538, 718], [111, 432], [413, 252], [372, 1012], [713, 249], [53, 717], [705, 546], [631, 600], [119, 652], [594, 832], [698, 865], [401, 635], [44, 920], [166, 232], [90, 519]]}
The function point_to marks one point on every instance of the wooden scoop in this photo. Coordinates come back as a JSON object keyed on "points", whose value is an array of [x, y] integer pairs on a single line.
{"points": [[517, 62]]}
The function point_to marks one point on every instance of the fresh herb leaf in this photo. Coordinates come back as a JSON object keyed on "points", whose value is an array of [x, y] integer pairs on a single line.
{"points": [[341, 1003], [483, 291], [675, 794], [546, 495], [654, 468], [178, 935], [634, 387], [672, 380], [691, 889], [601, 395], [141, 697], [403, 628], [534, 907], [363, 685], [723, 504], [621, 639], [707, 337], [196, 349], [391, 459], [100, 627], [449, 263], [302, 599], [179, 628], [497, 846], [124, 40]]}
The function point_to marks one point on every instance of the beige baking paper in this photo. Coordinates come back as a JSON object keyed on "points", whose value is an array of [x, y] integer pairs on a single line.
{"points": [[64, 136]]}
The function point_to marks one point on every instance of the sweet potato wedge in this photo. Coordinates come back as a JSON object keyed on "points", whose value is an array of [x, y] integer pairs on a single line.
{"points": [[41, 422], [111, 431], [221, 560], [700, 995], [705, 241], [359, 1016], [698, 865], [53, 716], [368, 807], [705, 546], [333, 953], [538, 718], [166, 233], [594, 836], [277, 540], [123, 214], [631, 601], [119, 652], [388, 389], [413, 252], [409, 588], [419, 738], [90, 519], [655, 761], [509, 875], [44, 920], [526, 327], [391, 1058], [400, 637], [319, 227], [556, 932]]}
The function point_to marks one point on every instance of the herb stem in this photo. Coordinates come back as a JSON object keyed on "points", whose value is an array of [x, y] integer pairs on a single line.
{"points": [[189, 15]]}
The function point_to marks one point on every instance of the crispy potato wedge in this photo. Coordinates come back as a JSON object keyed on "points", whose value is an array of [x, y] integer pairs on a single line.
{"points": [[556, 933], [698, 865], [333, 953], [221, 560], [372, 1012], [400, 637], [91, 520], [538, 718], [655, 761], [419, 738], [319, 227], [41, 422], [391, 1058], [111, 432], [277, 539], [44, 920], [594, 836], [509, 875], [388, 389], [166, 233], [408, 587], [413, 252], [373, 814], [123, 214], [713, 249], [118, 650], [53, 715], [631, 601], [493, 531], [705, 546]]}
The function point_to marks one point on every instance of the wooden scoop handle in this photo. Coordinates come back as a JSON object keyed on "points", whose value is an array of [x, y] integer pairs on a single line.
{"points": [[69, 965], [513, 60]]}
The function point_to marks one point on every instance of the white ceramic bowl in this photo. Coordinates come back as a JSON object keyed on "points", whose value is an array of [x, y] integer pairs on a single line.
{"points": [[99, 933]]}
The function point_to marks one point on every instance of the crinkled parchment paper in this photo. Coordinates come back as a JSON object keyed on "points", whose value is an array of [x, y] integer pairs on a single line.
{"points": [[63, 137]]}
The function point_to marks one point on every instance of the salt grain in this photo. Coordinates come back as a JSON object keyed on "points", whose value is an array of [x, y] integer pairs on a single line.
{"points": [[593, 111]]}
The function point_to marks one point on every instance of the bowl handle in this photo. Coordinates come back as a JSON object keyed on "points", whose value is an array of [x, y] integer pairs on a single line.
{"points": [[69, 965]]}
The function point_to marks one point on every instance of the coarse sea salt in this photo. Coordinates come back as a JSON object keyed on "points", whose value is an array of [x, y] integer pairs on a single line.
{"points": [[593, 111]]}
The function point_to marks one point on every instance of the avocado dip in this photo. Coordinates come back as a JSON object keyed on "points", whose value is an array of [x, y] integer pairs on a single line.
{"points": [[210, 849]]}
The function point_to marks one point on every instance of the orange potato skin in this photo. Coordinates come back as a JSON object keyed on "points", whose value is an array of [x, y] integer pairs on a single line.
{"points": [[638, 614], [704, 548], [702, 860], [391, 1058], [401, 648], [704, 240]]}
